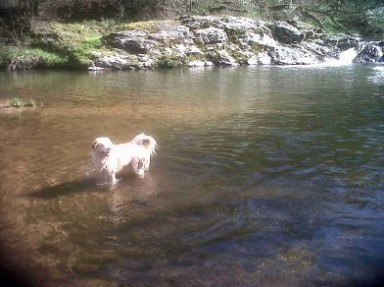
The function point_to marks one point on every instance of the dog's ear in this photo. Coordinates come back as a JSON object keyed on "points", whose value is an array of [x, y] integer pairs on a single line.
{"points": [[145, 142], [94, 145]]}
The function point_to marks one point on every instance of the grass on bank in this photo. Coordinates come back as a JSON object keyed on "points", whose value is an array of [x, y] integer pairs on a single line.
{"points": [[66, 45], [55, 45], [13, 58], [16, 102]]}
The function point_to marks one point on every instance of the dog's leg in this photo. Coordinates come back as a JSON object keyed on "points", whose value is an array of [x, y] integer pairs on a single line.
{"points": [[139, 167], [113, 179]]}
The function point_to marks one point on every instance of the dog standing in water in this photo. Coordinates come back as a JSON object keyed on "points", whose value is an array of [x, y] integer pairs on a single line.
{"points": [[110, 159]]}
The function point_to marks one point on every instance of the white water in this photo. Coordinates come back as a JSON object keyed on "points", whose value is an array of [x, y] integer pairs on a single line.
{"points": [[378, 75], [346, 58]]}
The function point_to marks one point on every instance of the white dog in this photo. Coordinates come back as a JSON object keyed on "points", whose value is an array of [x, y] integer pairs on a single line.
{"points": [[110, 159]]}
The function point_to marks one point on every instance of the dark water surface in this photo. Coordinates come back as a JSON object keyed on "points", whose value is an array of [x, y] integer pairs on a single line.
{"points": [[264, 176]]}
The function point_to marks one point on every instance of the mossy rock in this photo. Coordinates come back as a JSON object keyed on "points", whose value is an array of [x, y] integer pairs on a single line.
{"points": [[170, 61]]}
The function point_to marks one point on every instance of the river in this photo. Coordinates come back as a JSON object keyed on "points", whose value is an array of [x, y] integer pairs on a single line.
{"points": [[264, 176]]}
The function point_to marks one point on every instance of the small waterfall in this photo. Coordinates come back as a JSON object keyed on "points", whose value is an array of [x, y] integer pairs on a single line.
{"points": [[346, 58]]}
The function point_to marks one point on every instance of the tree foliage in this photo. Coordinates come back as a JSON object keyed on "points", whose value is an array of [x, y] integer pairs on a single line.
{"points": [[364, 16]]}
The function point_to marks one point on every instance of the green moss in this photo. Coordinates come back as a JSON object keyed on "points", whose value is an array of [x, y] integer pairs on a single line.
{"points": [[16, 102], [238, 56], [149, 26], [258, 48], [170, 61]]}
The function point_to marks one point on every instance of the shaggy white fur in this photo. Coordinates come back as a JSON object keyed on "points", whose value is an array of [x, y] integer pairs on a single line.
{"points": [[110, 159]]}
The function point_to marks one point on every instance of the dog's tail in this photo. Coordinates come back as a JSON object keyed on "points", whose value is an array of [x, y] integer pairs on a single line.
{"points": [[150, 144], [146, 141]]}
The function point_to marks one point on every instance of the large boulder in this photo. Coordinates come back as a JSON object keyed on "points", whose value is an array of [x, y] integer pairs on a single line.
{"points": [[132, 41], [286, 33], [304, 54], [173, 34], [344, 42], [211, 35], [373, 52], [221, 58], [286, 55], [259, 40]]}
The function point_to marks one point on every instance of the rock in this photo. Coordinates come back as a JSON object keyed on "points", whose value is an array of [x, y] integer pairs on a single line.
{"points": [[226, 41], [194, 64], [197, 22], [193, 50], [286, 33], [210, 35], [260, 59], [172, 35], [285, 55], [344, 42], [260, 40], [239, 25], [221, 58], [198, 63], [94, 68], [119, 62], [373, 52], [134, 41]]}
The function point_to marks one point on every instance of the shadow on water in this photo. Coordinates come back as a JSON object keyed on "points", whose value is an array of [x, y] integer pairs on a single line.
{"points": [[65, 188]]}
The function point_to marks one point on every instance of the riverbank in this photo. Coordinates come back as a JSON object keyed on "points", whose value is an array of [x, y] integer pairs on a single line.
{"points": [[191, 41]]}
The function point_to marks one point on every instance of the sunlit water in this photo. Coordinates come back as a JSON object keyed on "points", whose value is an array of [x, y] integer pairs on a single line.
{"points": [[264, 176]]}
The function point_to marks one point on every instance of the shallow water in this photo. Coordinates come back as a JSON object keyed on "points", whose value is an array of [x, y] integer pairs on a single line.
{"points": [[264, 176]]}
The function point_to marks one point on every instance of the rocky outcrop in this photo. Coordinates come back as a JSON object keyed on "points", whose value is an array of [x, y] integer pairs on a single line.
{"points": [[199, 41], [372, 52], [286, 33]]}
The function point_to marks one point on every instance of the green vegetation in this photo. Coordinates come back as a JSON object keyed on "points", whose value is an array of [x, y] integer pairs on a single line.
{"points": [[13, 57], [150, 25], [170, 61], [16, 102]]}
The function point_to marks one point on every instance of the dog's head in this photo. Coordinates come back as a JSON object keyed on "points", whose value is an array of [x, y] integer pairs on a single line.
{"points": [[102, 146], [146, 141]]}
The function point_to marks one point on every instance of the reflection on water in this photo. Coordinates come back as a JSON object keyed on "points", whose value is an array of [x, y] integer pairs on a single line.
{"points": [[264, 177]]}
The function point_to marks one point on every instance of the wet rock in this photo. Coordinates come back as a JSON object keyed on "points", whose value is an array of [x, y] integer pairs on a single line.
{"points": [[373, 52], [193, 64], [343, 42], [197, 64]]}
